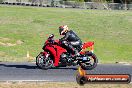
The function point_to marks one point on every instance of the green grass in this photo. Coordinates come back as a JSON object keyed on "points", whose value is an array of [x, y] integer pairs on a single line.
{"points": [[110, 30]]}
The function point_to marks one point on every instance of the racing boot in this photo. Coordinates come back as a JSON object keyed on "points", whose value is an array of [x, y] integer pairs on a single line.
{"points": [[76, 54]]}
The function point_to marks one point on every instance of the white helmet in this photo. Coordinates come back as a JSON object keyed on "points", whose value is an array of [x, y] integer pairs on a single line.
{"points": [[63, 29]]}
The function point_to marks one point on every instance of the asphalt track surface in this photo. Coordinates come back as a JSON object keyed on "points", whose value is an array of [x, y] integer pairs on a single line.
{"points": [[29, 72]]}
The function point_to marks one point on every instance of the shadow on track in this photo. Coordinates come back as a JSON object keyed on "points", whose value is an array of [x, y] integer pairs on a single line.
{"points": [[20, 66], [68, 68], [35, 67]]}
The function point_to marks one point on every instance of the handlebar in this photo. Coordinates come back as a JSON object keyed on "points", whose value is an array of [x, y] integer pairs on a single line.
{"points": [[51, 40], [51, 36]]}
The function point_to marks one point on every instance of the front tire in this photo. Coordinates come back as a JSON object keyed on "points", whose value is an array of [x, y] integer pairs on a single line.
{"points": [[44, 62], [90, 65]]}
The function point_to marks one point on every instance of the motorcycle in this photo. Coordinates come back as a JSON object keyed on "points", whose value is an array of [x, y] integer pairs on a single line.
{"points": [[54, 55]]}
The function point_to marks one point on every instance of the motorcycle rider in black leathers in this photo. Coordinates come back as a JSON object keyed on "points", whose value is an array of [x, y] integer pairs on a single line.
{"points": [[70, 41]]}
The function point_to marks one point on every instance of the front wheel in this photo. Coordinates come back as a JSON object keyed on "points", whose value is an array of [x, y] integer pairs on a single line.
{"points": [[91, 63], [44, 62]]}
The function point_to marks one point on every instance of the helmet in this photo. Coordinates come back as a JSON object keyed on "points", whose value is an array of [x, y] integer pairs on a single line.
{"points": [[63, 29]]}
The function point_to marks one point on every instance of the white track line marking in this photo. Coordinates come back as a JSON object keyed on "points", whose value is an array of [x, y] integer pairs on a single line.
{"points": [[26, 81]]}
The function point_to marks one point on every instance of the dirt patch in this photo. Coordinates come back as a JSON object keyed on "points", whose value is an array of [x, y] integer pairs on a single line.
{"points": [[62, 85], [6, 42], [4, 39], [18, 42], [10, 20], [2, 54]]}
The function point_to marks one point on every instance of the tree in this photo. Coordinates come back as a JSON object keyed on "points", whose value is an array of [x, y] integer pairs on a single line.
{"points": [[1, 1], [52, 3], [87, 0], [34, 1], [18, 0], [75, 0]]}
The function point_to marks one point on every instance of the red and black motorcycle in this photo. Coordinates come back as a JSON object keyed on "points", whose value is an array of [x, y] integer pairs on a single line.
{"points": [[56, 56]]}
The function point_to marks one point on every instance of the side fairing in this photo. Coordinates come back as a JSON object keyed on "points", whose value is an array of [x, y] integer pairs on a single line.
{"points": [[56, 51]]}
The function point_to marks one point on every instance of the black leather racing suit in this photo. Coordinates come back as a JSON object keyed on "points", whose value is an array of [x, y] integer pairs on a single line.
{"points": [[71, 42]]}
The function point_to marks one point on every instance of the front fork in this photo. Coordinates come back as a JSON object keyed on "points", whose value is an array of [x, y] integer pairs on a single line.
{"points": [[47, 55]]}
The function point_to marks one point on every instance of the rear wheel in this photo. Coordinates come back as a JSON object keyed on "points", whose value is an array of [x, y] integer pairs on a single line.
{"points": [[44, 62], [91, 63]]}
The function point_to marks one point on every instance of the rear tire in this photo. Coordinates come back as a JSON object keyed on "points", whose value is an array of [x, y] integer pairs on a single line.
{"points": [[89, 66]]}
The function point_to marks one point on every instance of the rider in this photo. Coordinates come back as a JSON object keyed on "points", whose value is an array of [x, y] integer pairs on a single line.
{"points": [[70, 41]]}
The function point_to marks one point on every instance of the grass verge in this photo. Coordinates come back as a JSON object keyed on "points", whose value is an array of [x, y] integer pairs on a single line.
{"points": [[24, 29]]}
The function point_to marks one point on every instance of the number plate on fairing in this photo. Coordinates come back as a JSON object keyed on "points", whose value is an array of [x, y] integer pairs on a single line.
{"points": [[84, 58]]}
